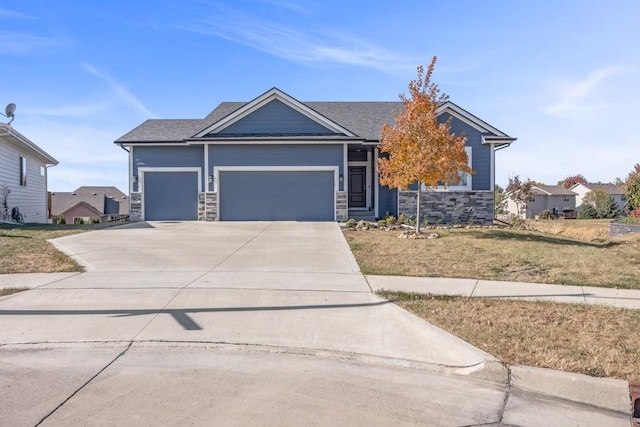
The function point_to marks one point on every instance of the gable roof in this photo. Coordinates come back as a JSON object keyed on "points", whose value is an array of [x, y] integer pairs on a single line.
{"points": [[552, 190], [91, 196], [16, 138], [607, 188], [359, 120]]}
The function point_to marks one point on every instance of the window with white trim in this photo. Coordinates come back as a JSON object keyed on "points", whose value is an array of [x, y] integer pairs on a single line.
{"points": [[23, 171], [465, 179]]}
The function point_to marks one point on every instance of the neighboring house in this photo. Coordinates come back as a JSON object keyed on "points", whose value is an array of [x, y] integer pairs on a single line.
{"points": [[276, 158], [557, 199], [89, 203], [617, 192], [23, 177]]}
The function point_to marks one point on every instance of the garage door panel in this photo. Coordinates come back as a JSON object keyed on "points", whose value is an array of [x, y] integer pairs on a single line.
{"points": [[171, 196], [277, 196]]}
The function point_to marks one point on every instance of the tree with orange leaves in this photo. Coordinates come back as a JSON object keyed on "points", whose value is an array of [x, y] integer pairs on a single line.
{"points": [[419, 149]]}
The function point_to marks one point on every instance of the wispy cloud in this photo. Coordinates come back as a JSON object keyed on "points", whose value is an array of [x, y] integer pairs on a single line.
{"points": [[25, 43], [6, 13], [120, 91], [581, 97], [311, 45], [289, 5]]}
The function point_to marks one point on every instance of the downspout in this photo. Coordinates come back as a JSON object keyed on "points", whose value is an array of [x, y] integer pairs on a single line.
{"points": [[494, 179], [46, 190]]}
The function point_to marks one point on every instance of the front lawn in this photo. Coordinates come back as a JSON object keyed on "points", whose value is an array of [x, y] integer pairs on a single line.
{"points": [[599, 341], [503, 254], [25, 249]]}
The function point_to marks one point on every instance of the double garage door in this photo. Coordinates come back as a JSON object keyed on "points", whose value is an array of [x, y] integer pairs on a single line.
{"points": [[244, 196]]}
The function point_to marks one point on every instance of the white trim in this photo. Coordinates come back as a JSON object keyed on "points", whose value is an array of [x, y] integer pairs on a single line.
{"points": [[130, 174], [493, 167], [153, 144], [218, 169], [259, 141], [264, 99], [452, 188], [468, 118], [143, 170], [376, 185], [367, 171], [345, 171], [206, 170]]}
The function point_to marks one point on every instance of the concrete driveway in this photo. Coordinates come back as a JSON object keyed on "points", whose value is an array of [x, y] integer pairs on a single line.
{"points": [[235, 324]]}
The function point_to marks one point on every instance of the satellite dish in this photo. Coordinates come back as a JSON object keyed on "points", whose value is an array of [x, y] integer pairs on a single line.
{"points": [[10, 110]]}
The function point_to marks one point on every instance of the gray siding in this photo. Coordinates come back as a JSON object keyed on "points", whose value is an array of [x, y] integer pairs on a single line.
{"points": [[277, 196], [275, 118], [31, 199], [170, 196], [167, 156], [276, 155], [480, 153]]}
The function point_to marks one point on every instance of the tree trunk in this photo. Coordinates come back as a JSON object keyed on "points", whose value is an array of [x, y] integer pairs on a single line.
{"points": [[418, 208]]}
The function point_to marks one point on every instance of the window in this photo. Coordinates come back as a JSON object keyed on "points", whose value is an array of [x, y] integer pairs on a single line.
{"points": [[23, 171], [567, 199], [42, 171], [465, 179]]}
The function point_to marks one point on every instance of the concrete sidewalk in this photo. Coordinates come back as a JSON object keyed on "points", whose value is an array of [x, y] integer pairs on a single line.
{"points": [[624, 298]]}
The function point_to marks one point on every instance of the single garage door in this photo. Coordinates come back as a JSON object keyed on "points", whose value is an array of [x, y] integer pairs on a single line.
{"points": [[170, 196], [276, 196]]}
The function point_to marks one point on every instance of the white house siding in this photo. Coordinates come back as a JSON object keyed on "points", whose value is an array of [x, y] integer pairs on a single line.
{"points": [[30, 199]]}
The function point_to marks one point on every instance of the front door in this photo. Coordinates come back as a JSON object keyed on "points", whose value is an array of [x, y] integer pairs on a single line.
{"points": [[357, 187]]}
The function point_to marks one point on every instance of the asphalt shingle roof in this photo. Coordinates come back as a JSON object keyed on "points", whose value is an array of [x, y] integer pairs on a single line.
{"points": [[362, 118], [556, 190], [91, 195], [607, 188]]}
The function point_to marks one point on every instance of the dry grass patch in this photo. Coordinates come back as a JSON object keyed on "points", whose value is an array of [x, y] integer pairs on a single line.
{"points": [[26, 250], [593, 340], [587, 230], [9, 291], [501, 254]]}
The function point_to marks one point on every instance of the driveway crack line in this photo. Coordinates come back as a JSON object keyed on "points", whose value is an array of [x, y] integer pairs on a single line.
{"points": [[85, 384], [474, 288], [507, 394], [195, 280], [368, 284]]}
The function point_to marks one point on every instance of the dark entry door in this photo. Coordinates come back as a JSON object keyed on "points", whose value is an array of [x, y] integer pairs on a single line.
{"points": [[357, 187]]}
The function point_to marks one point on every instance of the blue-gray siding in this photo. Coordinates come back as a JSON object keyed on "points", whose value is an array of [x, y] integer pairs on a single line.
{"points": [[276, 196], [387, 203], [274, 118], [170, 196], [276, 155], [167, 156], [480, 154]]}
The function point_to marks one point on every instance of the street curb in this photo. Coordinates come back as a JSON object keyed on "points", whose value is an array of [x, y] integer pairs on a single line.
{"points": [[607, 393]]}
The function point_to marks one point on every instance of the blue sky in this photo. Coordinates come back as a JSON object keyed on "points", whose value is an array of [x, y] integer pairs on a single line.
{"points": [[561, 76]]}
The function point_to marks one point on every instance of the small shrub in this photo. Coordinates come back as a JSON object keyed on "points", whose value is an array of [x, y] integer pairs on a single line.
{"points": [[95, 220], [382, 223], [61, 220], [587, 211], [401, 219], [628, 220], [351, 223], [517, 222], [79, 221], [390, 219], [410, 221], [635, 214], [545, 214], [365, 225]]}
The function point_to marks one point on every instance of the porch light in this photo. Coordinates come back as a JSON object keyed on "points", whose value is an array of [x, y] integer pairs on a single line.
{"points": [[341, 178], [210, 179], [134, 178]]}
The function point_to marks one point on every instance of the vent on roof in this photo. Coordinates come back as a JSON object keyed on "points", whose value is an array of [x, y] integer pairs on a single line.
{"points": [[73, 194], [93, 194]]}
